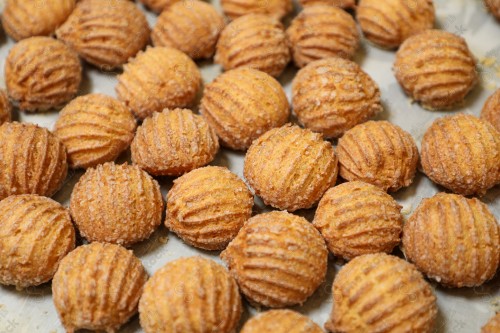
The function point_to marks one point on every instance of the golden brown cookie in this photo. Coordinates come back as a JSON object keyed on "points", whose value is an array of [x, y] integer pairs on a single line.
{"points": [[42, 73], [357, 218], [453, 240], [159, 78], [346, 4], [95, 129], [116, 204], [208, 206], [274, 8], [32, 160], [378, 153], [491, 110], [35, 234], [190, 295], [191, 26], [381, 293], [462, 153], [388, 23], [28, 18], [242, 104], [280, 321], [322, 31], [158, 5], [255, 40], [436, 69], [97, 287], [105, 34], [187, 143], [278, 259], [5, 107], [494, 7], [290, 168], [330, 96], [493, 326]]}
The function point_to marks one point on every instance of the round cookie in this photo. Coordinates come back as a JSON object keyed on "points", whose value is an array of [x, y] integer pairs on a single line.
{"points": [[274, 8], [280, 321], [493, 325], [378, 153], [494, 7], [278, 259], [345, 4], [357, 218], [190, 295], [5, 107], [491, 110], [97, 287], [208, 206], [355, 97], [118, 204], [242, 104], [95, 129], [453, 240], [158, 5]]}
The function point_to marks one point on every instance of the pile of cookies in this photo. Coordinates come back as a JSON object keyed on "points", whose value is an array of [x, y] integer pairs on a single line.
{"points": [[335, 157]]}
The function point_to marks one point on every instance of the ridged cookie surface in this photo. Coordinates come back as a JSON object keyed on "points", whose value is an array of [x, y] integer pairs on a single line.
{"points": [[5, 107], [491, 110], [280, 321], [274, 8]]}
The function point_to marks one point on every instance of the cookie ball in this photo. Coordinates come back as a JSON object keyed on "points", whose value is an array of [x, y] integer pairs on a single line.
{"points": [[331, 96], [242, 104], [388, 23], [105, 34], [95, 129], [290, 168], [159, 78], [462, 154], [190, 26], [32, 160], [118, 204], [493, 326], [27, 18], [5, 107], [208, 206], [436, 69], [278, 259], [378, 153], [203, 290], [345, 4], [255, 40], [274, 8], [453, 240], [97, 287], [491, 110], [42, 73], [494, 7], [357, 218], [187, 143], [280, 321], [322, 31], [35, 234], [158, 5], [384, 294]]}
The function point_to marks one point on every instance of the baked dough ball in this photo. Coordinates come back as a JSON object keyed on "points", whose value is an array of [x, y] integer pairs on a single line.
{"points": [[95, 129], [116, 204], [493, 6], [388, 23], [242, 104], [290, 168], [346, 4], [35, 234], [208, 206], [322, 31], [274, 8], [436, 69], [491, 110], [105, 34], [5, 107], [27, 18], [278, 259], [453, 240], [255, 40], [32, 160], [42, 73], [493, 326], [378, 153], [159, 78], [280, 321], [462, 154], [357, 218], [331, 96], [381, 293], [97, 287], [191, 26], [186, 141], [158, 5], [190, 295]]}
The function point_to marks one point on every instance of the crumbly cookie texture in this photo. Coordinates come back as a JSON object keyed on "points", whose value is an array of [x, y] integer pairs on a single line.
{"points": [[494, 7], [280, 321], [453, 240], [493, 325], [345, 4], [97, 287], [190, 295], [242, 104], [158, 5], [278, 259], [331, 96], [462, 154], [491, 110], [274, 8], [436, 69], [5, 107]]}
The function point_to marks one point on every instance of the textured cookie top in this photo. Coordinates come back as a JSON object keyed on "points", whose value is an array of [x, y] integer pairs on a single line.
{"points": [[158, 5], [280, 321], [346, 4], [493, 6], [5, 107], [491, 110], [493, 326], [274, 8]]}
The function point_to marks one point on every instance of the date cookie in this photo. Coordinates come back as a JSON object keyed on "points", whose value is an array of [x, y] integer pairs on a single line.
{"points": [[493, 326], [345, 4], [5, 107], [494, 7], [274, 8], [158, 5], [280, 321], [491, 110]]}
